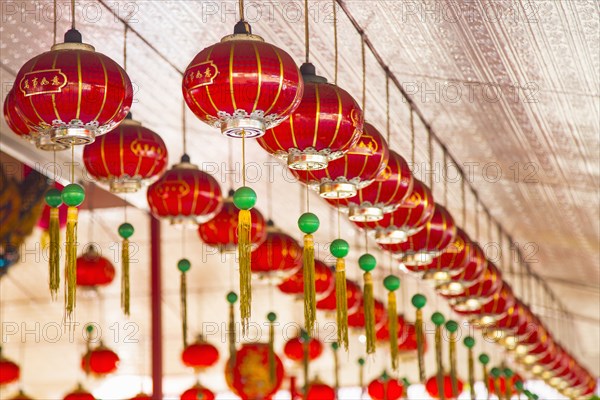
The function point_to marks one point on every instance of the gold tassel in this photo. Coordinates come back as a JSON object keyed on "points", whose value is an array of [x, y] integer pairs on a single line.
{"points": [[341, 302], [305, 344], [452, 356], [71, 263], [486, 379], [244, 226], [310, 302], [272, 376], [183, 298], [497, 386], [361, 375], [231, 335], [125, 277], [45, 238], [420, 347], [53, 235], [369, 311], [393, 328], [438, 359], [472, 374]]}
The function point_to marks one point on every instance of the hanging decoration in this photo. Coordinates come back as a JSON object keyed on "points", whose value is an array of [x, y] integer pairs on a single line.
{"points": [[80, 393], [339, 248], [126, 230], [44, 221], [469, 276], [272, 317], [100, 361], [353, 299], [419, 301], [452, 327], [367, 263], [93, 270], [317, 390], [294, 348], [474, 296], [232, 298], [469, 342], [484, 359], [200, 355], [495, 308], [438, 320], [336, 367], [279, 255], [408, 345], [9, 370], [309, 224], [197, 392], [385, 388], [361, 375], [54, 200], [443, 390], [183, 266], [21, 395], [357, 319], [324, 282], [392, 283]]}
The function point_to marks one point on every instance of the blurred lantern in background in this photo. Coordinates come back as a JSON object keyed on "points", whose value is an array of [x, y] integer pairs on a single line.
{"points": [[445, 391], [197, 392], [317, 390], [473, 297], [100, 361], [324, 282], [79, 394], [294, 349], [357, 318], [200, 354], [469, 276], [279, 255], [93, 270], [21, 395], [9, 370], [353, 294], [385, 388]]}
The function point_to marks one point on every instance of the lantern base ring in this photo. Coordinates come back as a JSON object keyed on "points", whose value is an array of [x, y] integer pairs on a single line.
{"points": [[43, 142], [72, 136], [125, 185], [437, 275], [337, 190], [419, 258], [451, 288], [304, 161], [184, 221], [391, 236], [365, 213]]}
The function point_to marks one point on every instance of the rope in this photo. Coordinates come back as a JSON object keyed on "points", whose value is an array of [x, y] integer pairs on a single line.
{"points": [[464, 201], [335, 44], [306, 32], [125, 47], [184, 127], [364, 74], [430, 151], [243, 157], [269, 196], [387, 106], [445, 176], [241, 5], [72, 14], [72, 164], [54, 23], [307, 194], [412, 138], [339, 218]]}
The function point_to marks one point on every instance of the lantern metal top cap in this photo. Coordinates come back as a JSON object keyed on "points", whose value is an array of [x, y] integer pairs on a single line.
{"points": [[73, 41], [185, 163], [309, 74], [242, 31]]}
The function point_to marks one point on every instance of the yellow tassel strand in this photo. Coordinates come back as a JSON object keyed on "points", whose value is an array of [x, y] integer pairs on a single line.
{"points": [[341, 302], [183, 299], [232, 297], [369, 311], [393, 328], [54, 252], [310, 302], [125, 277], [272, 372], [244, 248], [452, 357], [486, 379], [420, 347], [438, 359], [472, 375], [71, 263]]}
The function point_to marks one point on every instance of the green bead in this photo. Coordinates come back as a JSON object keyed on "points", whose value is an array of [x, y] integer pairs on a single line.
{"points": [[308, 223], [184, 265], [405, 382], [469, 342], [361, 361], [438, 319], [73, 195], [519, 385], [339, 248], [508, 372], [391, 283], [272, 316], [385, 376], [496, 372], [53, 197], [367, 262], [418, 300], [89, 328], [451, 326], [232, 297], [335, 346], [484, 358], [244, 198], [126, 230], [304, 336]]}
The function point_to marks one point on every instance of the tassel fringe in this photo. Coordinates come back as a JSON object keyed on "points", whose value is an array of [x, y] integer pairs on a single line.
{"points": [[393, 328], [54, 252], [231, 336], [486, 379], [438, 359], [420, 349], [71, 264], [244, 226], [472, 375], [272, 352], [183, 299], [310, 301], [125, 277], [452, 356], [341, 302], [369, 311]]}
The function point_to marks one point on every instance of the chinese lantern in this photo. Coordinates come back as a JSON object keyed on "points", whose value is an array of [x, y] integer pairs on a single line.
{"points": [[197, 392], [506, 325], [71, 94], [127, 157], [495, 308], [409, 218], [100, 361], [93, 270], [141, 396], [385, 388], [353, 294], [383, 333], [434, 390], [200, 354], [327, 123], [357, 319], [249, 378], [14, 119], [469, 276], [185, 195], [422, 247], [79, 394], [407, 343], [279, 254], [474, 296], [505, 384], [294, 349], [358, 168], [318, 390], [242, 84], [384, 195], [324, 282], [9, 371], [221, 231]]}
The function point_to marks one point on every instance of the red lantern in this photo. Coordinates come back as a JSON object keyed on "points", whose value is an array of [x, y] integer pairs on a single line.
{"points": [[79, 394], [294, 349], [249, 376], [383, 333], [9, 371], [495, 308], [434, 391], [100, 361], [200, 354], [93, 270], [279, 254], [353, 294], [320, 391], [71, 94], [325, 125], [506, 325], [357, 318], [385, 388], [409, 218], [141, 396], [358, 168], [242, 84], [474, 296], [407, 341], [469, 276], [221, 231], [503, 384], [185, 195], [14, 119], [197, 392], [324, 282], [126, 157]]}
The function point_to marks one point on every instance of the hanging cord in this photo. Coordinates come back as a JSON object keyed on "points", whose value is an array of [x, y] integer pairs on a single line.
{"points": [[306, 194], [364, 74], [306, 33], [54, 23], [445, 176], [125, 47], [243, 158], [231, 178], [184, 129], [72, 164], [387, 105], [72, 14], [91, 211], [412, 139], [463, 195], [269, 195], [430, 151], [335, 43], [241, 5], [476, 207]]}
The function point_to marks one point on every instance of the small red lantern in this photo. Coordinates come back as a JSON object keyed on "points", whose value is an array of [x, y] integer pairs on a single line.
{"points": [[200, 354], [221, 231], [324, 282], [383, 333], [71, 94], [279, 254], [294, 349], [79, 394], [93, 270], [409, 218], [506, 325], [249, 376], [384, 195], [495, 308], [325, 125], [407, 341], [385, 388], [353, 294], [185, 195], [126, 157], [358, 168], [320, 391], [474, 296], [9, 370], [100, 361], [357, 318], [141, 396], [14, 119], [434, 390], [503, 384], [242, 84], [469, 276], [197, 392], [422, 247]]}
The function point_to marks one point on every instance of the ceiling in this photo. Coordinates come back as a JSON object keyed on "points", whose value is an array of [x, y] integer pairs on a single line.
{"points": [[511, 88]]}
